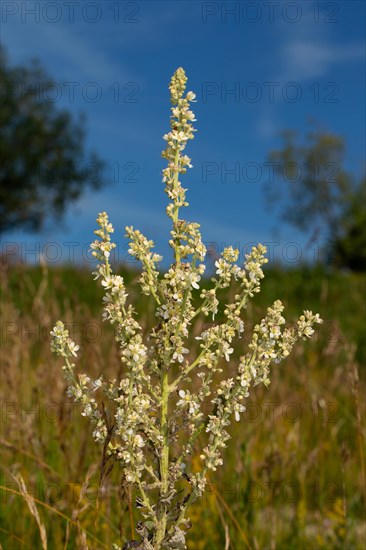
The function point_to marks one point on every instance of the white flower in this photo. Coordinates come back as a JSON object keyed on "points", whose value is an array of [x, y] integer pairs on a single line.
{"points": [[221, 266], [107, 282], [194, 278], [98, 383], [138, 441], [275, 332], [227, 350], [73, 348], [188, 399], [163, 312], [87, 410], [178, 354], [308, 331]]}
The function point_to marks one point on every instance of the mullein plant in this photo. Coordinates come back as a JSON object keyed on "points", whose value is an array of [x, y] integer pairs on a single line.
{"points": [[149, 422]]}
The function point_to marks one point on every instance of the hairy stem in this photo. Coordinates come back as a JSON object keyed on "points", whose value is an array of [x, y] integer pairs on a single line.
{"points": [[164, 461]]}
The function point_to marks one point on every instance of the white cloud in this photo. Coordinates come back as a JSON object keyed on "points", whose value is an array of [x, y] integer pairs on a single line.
{"points": [[307, 59], [303, 52], [65, 51]]}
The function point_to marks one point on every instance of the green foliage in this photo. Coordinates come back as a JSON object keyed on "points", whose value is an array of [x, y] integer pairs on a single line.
{"points": [[42, 158], [318, 196]]}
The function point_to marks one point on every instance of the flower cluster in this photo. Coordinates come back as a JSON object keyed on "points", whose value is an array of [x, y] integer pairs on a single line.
{"points": [[80, 388], [150, 421]]}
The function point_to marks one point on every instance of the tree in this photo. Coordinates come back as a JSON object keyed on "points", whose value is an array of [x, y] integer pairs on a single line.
{"points": [[349, 248], [319, 197], [43, 166]]}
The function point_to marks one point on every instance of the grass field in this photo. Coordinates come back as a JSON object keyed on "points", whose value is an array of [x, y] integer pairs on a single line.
{"points": [[294, 471]]}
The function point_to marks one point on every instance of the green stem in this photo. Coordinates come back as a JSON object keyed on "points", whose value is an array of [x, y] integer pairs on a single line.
{"points": [[176, 208], [177, 381], [153, 292], [164, 461], [145, 499]]}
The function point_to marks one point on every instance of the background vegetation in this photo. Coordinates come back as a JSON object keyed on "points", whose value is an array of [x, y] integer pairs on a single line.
{"points": [[294, 471], [43, 162]]}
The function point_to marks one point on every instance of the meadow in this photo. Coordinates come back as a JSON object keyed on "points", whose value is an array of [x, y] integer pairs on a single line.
{"points": [[293, 474]]}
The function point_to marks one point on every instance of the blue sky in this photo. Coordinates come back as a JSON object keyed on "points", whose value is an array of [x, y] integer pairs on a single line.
{"points": [[257, 68]]}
